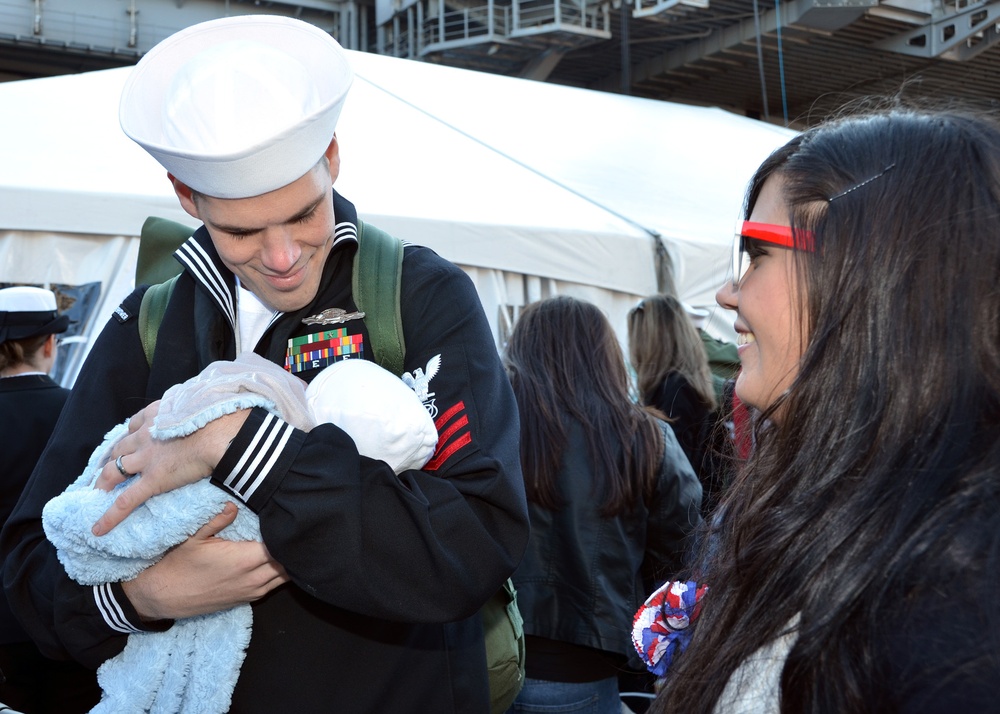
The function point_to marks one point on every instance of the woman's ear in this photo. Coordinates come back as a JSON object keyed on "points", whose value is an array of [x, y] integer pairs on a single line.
{"points": [[50, 346]]}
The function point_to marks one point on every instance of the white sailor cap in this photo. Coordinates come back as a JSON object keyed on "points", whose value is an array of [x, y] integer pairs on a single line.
{"points": [[697, 315], [240, 106], [27, 311]]}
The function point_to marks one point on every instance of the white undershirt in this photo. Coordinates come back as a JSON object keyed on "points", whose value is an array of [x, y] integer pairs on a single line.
{"points": [[252, 318], [755, 686]]}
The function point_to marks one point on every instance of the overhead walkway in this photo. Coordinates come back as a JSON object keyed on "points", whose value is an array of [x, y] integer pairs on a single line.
{"points": [[717, 52], [508, 32]]}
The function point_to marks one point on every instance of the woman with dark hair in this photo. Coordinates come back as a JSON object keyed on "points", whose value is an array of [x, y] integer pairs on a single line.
{"points": [[611, 500], [857, 564], [673, 376], [30, 404]]}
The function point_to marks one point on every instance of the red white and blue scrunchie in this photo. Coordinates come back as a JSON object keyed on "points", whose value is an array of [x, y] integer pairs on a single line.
{"points": [[661, 627]]}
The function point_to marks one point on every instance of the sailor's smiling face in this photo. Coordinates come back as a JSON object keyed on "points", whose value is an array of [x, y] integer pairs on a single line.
{"points": [[277, 243], [770, 309]]}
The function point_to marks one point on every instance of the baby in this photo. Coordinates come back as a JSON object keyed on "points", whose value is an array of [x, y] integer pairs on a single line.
{"points": [[193, 666]]}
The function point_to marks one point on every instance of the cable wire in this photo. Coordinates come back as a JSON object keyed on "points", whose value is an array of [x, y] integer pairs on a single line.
{"points": [[760, 60], [781, 62]]}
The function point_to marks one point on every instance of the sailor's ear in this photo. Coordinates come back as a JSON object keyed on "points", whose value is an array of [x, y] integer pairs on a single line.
{"points": [[185, 195]]}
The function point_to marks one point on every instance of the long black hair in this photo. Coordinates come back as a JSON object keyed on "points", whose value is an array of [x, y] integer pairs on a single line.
{"points": [[874, 487], [565, 363]]}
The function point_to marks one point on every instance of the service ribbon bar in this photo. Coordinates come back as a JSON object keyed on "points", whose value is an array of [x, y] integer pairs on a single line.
{"points": [[321, 349]]}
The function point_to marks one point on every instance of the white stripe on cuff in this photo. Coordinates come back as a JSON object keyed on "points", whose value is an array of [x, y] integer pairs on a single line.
{"points": [[259, 458], [111, 611]]}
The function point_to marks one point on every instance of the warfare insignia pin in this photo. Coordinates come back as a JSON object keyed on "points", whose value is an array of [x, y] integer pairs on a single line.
{"points": [[332, 316], [419, 381]]}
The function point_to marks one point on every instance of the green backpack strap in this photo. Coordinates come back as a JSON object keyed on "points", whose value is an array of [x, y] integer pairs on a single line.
{"points": [[156, 265], [378, 267], [159, 239], [503, 633], [151, 310]]}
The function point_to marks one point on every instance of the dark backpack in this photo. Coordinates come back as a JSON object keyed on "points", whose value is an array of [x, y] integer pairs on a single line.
{"points": [[375, 283]]}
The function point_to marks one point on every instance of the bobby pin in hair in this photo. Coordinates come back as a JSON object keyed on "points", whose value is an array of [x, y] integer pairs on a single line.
{"points": [[857, 186]]}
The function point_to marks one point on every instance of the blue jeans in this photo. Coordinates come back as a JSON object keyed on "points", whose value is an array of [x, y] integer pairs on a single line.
{"points": [[539, 696]]}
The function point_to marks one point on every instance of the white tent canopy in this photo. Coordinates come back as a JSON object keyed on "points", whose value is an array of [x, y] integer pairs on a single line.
{"points": [[532, 188]]}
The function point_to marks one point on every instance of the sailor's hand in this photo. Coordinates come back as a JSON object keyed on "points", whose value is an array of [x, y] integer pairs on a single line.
{"points": [[163, 464], [205, 574]]}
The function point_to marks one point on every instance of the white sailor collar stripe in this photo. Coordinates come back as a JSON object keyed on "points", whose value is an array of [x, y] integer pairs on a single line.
{"points": [[206, 268], [203, 267]]}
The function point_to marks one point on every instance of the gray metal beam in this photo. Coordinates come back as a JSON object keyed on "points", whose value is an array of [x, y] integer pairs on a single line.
{"points": [[100, 24], [958, 35], [818, 14], [541, 66], [324, 5]]}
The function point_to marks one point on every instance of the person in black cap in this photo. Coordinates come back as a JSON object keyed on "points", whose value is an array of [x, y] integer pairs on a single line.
{"points": [[30, 404]]}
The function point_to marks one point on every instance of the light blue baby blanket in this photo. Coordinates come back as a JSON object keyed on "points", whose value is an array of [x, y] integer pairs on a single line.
{"points": [[191, 668]]}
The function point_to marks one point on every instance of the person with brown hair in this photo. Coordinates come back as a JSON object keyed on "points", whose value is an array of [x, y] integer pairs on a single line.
{"points": [[673, 376], [30, 405], [611, 499]]}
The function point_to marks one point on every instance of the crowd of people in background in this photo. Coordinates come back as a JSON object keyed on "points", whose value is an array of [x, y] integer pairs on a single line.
{"points": [[814, 511]]}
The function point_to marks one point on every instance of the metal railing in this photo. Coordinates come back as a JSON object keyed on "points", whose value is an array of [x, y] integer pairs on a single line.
{"points": [[423, 28], [464, 24], [103, 28], [645, 8], [562, 14]]}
